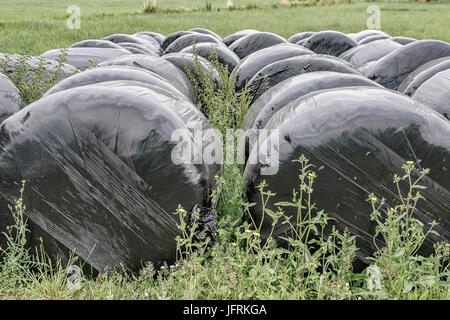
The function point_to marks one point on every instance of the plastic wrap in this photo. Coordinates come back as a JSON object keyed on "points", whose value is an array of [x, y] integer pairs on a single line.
{"points": [[188, 61], [261, 58], [155, 35], [188, 40], [206, 31], [390, 70], [375, 37], [159, 66], [367, 33], [330, 42], [137, 48], [281, 70], [254, 42], [403, 40], [300, 36], [100, 175], [357, 139], [224, 55], [287, 91], [435, 93], [375, 50], [120, 37], [237, 35], [91, 43], [84, 58], [415, 79], [172, 37], [110, 73], [10, 99]]}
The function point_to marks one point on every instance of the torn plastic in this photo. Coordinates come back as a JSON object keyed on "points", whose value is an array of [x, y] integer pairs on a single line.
{"points": [[84, 58], [357, 139], [375, 50], [261, 58], [403, 40], [209, 50], [137, 48], [281, 70], [10, 99], [206, 31], [237, 35], [172, 37], [290, 91], [110, 73], [435, 93], [333, 43], [393, 68], [375, 37], [300, 36], [155, 35], [415, 79], [367, 33], [254, 42], [121, 37], [159, 66], [188, 40], [102, 176], [96, 44]]}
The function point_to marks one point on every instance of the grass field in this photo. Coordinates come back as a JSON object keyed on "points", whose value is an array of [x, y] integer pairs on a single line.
{"points": [[239, 266], [35, 26]]}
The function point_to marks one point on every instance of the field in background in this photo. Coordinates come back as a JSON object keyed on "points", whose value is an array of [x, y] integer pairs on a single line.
{"points": [[35, 26]]}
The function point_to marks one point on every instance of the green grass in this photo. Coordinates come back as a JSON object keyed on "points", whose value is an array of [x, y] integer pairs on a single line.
{"points": [[36, 26], [240, 265]]}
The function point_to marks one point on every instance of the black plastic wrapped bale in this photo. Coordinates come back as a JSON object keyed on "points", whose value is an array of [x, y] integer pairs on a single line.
{"points": [[137, 48], [261, 58], [300, 36], [172, 37], [210, 50], [289, 91], [367, 33], [206, 31], [101, 175], [188, 40], [53, 69], [279, 71], [110, 73], [191, 62], [415, 79], [435, 93], [159, 66], [363, 54], [393, 68], [357, 139], [370, 39], [84, 58], [120, 37], [237, 35], [92, 43], [333, 43], [254, 42], [155, 35], [403, 40], [10, 99]]}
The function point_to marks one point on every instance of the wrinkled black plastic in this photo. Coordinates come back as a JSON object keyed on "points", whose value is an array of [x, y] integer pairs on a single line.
{"points": [[300, 36], [110, 73], [415, 79], [329, 42], [278, 71], [188, 40], [390, 70], [10, 99], [209, 50], [403, 40], [367, 33], [237, 35], [254, 42], [159, 66], [375, 37], [285, 92], [155, 35], [121, 37], [84, 58], [435, 93], [375, 50], [100, 176], [261, 58], [92, 43], [357, 139], [206, 31], [172, 37]]}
